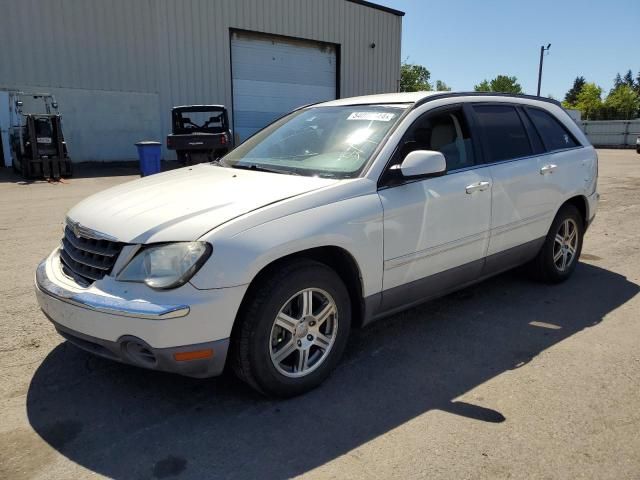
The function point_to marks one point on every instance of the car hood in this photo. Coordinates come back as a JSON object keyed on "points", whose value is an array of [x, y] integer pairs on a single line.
{"points": [[184, 204]]}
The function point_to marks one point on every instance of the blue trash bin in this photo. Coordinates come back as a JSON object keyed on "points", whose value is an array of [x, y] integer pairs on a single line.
{"points": [[149, 155]]}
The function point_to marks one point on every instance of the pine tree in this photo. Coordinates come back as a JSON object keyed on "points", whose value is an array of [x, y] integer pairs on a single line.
{"points": [[571, 98], [628, 79]]}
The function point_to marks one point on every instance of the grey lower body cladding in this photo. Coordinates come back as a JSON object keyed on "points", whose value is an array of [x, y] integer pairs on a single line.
{"points": [[424, 289]]}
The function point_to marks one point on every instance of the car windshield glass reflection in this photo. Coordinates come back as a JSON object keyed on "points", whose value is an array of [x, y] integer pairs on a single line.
{"points": [[323, 141]]}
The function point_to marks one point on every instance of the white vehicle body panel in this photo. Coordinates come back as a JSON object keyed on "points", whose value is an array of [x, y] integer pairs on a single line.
{"points": [[353, 224], [183, 204], [434, 225], [520, 210]]}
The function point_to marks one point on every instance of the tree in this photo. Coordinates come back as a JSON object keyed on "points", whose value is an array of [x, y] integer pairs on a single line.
{"points": [[502, 84], [572, 95], [442, 87], [617, 81], [623, 102], [589, 101], [628, 79], [414, 78], [483, 86]]}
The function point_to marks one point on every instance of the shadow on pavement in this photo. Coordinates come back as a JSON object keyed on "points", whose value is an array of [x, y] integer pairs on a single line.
{"points": [[125, 422]]}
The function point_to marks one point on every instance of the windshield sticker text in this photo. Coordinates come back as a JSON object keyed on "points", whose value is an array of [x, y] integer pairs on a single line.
{"points": [[375, 116]]}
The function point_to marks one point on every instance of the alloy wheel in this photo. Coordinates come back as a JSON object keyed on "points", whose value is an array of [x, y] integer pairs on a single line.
{"points": [[303, 332], [565, 245]]}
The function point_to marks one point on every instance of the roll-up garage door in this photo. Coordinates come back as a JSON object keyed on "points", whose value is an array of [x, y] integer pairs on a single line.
{"points": [[274, 75]]}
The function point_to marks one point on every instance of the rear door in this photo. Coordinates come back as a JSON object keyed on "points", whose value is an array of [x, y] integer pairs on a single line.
{"points": [[436, 230], [564, 168], [520, 210]]}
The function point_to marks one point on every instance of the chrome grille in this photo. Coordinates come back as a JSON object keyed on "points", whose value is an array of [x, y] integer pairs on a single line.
{"points": [[87, 259]]}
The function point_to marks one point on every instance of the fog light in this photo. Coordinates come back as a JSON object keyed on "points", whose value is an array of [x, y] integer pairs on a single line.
{"points": [[194, 355]]}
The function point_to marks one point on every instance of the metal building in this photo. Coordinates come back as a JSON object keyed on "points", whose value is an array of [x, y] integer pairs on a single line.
{"points": [[118, 66]]}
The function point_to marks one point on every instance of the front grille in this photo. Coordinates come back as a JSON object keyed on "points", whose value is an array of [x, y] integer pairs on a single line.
{"points": [[87, 259]]}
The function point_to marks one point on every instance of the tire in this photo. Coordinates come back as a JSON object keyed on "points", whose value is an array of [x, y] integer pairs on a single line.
{"points": [[276, 302], [544, 266], [181, 157]]}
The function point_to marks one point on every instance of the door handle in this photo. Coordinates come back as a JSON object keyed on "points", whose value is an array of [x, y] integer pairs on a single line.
{"points": [[477, 187], [548, 169]]}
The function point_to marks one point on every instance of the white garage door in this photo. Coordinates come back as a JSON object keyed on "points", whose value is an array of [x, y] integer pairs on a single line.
{"points": [[272, 76]]}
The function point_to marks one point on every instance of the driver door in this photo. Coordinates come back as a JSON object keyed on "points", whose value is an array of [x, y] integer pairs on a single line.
{"points": [[436, 230]]}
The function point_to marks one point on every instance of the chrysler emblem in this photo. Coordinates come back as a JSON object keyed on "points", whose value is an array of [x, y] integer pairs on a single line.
{"points": [[83, 232]]}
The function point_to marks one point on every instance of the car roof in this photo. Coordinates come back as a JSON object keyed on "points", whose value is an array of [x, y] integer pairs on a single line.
{"points": [[421, 97], [382, 98]]}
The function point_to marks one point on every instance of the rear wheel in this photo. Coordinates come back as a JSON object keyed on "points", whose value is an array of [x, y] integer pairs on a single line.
{"points": [[293, 330], [560, 252], [182, 157]]}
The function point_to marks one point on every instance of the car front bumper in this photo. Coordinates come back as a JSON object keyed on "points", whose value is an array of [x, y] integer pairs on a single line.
{"points": [[184, 331]]}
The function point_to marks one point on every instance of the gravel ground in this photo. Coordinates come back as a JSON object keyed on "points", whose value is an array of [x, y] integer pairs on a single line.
{"points": [[507, 379]]}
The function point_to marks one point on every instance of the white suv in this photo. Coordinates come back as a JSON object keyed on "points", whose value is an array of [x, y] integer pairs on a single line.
{"points": [[331, 217]]}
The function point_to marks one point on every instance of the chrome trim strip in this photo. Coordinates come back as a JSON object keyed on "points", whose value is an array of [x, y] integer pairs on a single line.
{"points": [[73, 240], [511, 160], [82, 231], [463, 242], [508, 227], [431, 251], [83, 261], [105, 304]]}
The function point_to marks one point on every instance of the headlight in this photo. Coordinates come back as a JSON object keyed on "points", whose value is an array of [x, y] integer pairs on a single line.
{"points": [[166, 266]]}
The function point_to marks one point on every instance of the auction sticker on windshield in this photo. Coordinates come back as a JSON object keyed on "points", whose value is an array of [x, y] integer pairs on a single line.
{"points": [[376, 116]]}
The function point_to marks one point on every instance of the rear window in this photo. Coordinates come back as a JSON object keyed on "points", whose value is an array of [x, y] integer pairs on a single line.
{"points": [[555, 136], [505, 136]]}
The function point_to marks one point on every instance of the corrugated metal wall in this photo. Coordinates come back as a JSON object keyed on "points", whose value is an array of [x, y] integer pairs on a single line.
{"points": [[612, 133], [180, 49]]}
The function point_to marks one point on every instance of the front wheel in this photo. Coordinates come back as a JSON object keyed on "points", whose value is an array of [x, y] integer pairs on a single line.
{"points": [[560, 252], [293, 330]]}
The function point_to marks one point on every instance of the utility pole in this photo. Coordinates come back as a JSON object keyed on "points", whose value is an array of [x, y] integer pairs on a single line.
{"points": [[542, 50]]}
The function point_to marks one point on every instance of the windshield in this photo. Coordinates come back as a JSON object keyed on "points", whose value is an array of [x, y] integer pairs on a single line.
{"points": [[333, 142]]}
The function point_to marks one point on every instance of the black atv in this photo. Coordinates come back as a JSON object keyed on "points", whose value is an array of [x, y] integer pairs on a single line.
{"points": [[202, 136]]}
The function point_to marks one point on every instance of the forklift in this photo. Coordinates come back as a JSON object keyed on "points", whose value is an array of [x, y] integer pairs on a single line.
{"points": [[199, 133], [38, 149]]}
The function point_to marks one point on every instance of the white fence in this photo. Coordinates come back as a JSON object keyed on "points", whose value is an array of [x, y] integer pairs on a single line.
{"points": [[612, 133]]}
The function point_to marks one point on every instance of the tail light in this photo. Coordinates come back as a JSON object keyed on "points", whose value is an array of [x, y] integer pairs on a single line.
{"points": [[169, 142], [224, 139]]}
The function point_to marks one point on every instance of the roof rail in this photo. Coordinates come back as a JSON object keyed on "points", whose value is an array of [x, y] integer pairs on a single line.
{"points": [[438, 95]]}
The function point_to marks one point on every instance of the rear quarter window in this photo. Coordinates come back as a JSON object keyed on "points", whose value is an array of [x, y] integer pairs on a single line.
{"points": [[555, 136]]}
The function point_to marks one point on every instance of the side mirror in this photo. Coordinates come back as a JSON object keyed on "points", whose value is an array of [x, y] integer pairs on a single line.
{"points": [[423, 163]]}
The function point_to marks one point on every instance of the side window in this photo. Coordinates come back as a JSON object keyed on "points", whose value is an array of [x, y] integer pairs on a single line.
{"points": [[505, 136], [446, 132], [534, 135], [554, 135]]}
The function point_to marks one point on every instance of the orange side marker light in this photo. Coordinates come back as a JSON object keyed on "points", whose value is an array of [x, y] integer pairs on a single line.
{"points": [[194, 355]]}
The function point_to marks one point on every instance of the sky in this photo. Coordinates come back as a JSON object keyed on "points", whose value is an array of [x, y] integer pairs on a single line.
{"points": [[463, 42]]}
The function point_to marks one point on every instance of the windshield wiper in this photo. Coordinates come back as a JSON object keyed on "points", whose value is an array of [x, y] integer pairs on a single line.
{"points": [[259, 168]]}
